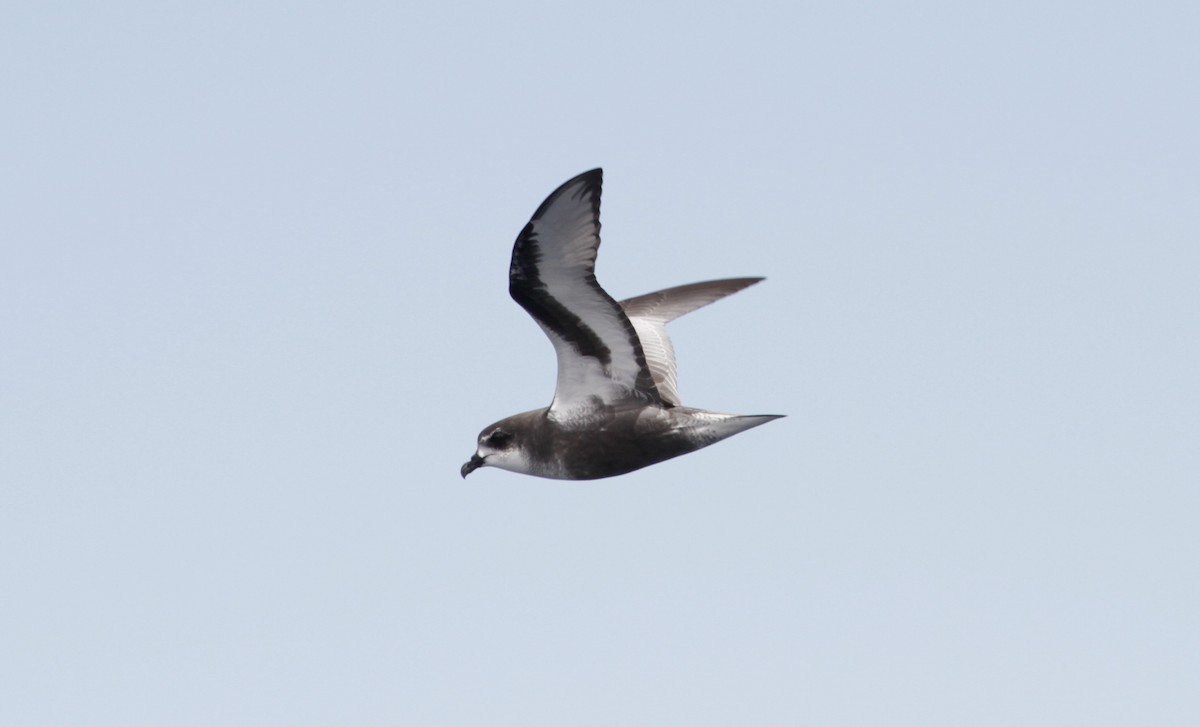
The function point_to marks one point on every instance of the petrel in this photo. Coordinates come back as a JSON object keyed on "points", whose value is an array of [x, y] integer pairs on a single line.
{"points": [[616, 408]]}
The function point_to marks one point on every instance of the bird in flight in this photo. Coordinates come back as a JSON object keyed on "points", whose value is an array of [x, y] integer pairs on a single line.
{"points": [[616, 408]]}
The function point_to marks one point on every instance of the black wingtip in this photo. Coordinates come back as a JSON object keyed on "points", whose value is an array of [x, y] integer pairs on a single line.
{"points": [[590, 177], [590, 181], [598, 173]]}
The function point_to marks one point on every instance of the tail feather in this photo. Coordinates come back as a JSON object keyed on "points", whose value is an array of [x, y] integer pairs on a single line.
{"points": [[738, 424], [711, 427]]}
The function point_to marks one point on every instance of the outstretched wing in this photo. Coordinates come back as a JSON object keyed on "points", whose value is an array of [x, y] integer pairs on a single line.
{"points": [[650, 314], [552, 276]]}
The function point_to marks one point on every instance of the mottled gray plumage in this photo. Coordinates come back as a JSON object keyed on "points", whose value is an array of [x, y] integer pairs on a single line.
{"points": [[616, 406]]}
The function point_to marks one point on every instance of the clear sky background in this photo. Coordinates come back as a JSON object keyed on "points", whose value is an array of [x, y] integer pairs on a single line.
{"points": [[254, 311]]}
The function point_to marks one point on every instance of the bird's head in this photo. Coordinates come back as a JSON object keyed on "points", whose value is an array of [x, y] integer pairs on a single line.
{"points": [[498, 446]]}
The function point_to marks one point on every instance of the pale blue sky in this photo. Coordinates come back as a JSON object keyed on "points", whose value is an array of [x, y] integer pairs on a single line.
{"points": [[253, 312]]}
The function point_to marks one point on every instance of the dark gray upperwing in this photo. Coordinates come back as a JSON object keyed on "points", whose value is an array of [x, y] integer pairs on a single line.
{"points": [[552, 276]]}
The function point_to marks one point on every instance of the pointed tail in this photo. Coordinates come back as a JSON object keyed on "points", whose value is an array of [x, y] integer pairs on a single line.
{"points": [[711, 427]]}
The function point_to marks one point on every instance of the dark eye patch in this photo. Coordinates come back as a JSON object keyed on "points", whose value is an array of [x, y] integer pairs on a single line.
{"points": [[498, 439]]}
